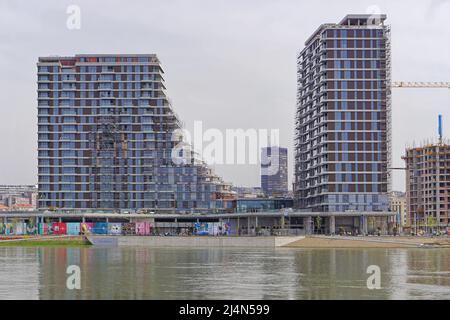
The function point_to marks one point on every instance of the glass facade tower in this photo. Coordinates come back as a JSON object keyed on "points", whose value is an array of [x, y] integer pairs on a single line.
{"points": [[274, 171], [342, 136], [106, 139]]}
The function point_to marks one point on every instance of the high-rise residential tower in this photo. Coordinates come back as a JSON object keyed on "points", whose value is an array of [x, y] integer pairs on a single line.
{"points": [[342, 137], [274, 167], [107, 139]]}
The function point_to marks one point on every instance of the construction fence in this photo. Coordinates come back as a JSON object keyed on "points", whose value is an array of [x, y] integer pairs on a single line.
{"points": [[143, 228]]}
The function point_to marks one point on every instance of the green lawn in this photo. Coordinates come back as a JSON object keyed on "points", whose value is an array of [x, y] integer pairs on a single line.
{"points": [[46, 243]]}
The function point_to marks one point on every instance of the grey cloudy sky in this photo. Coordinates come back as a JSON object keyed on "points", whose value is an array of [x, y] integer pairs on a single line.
{"points": [[231, 64]]}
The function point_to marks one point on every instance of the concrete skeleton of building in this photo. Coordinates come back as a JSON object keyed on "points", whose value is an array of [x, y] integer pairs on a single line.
{"points": [[428, 186], [106, 133], [274, 171], [342, 137]]}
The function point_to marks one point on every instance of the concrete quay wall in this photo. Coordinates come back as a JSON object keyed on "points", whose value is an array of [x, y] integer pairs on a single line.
{"points": [[199, 242]]}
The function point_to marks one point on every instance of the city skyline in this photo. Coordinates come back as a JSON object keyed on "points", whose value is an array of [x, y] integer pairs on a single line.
{"points": [[247, 152], [199, 75]]}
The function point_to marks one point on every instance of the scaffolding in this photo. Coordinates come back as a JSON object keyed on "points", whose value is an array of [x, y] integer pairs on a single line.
{"points": [[388, 84], [109, 156]]}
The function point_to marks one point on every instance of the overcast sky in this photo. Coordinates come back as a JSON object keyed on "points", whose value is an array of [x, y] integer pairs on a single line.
{"points": [[231, 64]]}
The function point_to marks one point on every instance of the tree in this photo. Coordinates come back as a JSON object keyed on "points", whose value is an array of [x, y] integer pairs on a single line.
{"points": [[431, 222], [318, 223], [371, 223]]}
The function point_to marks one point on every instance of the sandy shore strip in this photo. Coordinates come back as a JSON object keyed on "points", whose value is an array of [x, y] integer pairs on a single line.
{"points": [[368, 242]]}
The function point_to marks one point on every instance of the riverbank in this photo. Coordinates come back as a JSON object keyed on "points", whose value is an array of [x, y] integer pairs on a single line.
{"points": [[44, 241], [148, 241], [198, 241], [311, 242], [369, 242]]}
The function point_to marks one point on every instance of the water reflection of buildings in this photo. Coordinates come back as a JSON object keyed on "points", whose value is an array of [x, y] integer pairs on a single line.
{"points": [[399, 274], [236, 273], [340, 274], [125, 273], [53, 277], [429, 267], [142, 273], [19, 269]]}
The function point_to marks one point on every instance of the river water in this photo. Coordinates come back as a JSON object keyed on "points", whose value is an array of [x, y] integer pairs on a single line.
{"points": [[222, 273]]}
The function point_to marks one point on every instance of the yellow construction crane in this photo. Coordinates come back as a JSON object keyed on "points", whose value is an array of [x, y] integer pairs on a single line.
{"points": [[424, 85], [411, 84], [420, 84]]}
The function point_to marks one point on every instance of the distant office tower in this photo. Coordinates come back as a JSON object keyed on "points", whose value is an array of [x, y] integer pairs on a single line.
{"points": [[274, 167], [428, 186], [106, 137], [343, 117]]}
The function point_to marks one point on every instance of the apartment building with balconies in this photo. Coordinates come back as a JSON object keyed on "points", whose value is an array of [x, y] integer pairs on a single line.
{"points": [[342, 137], [107, 139]]}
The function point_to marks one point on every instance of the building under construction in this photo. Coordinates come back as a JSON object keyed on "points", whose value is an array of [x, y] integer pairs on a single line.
{"points": [[428, 186], [108, 139]]}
